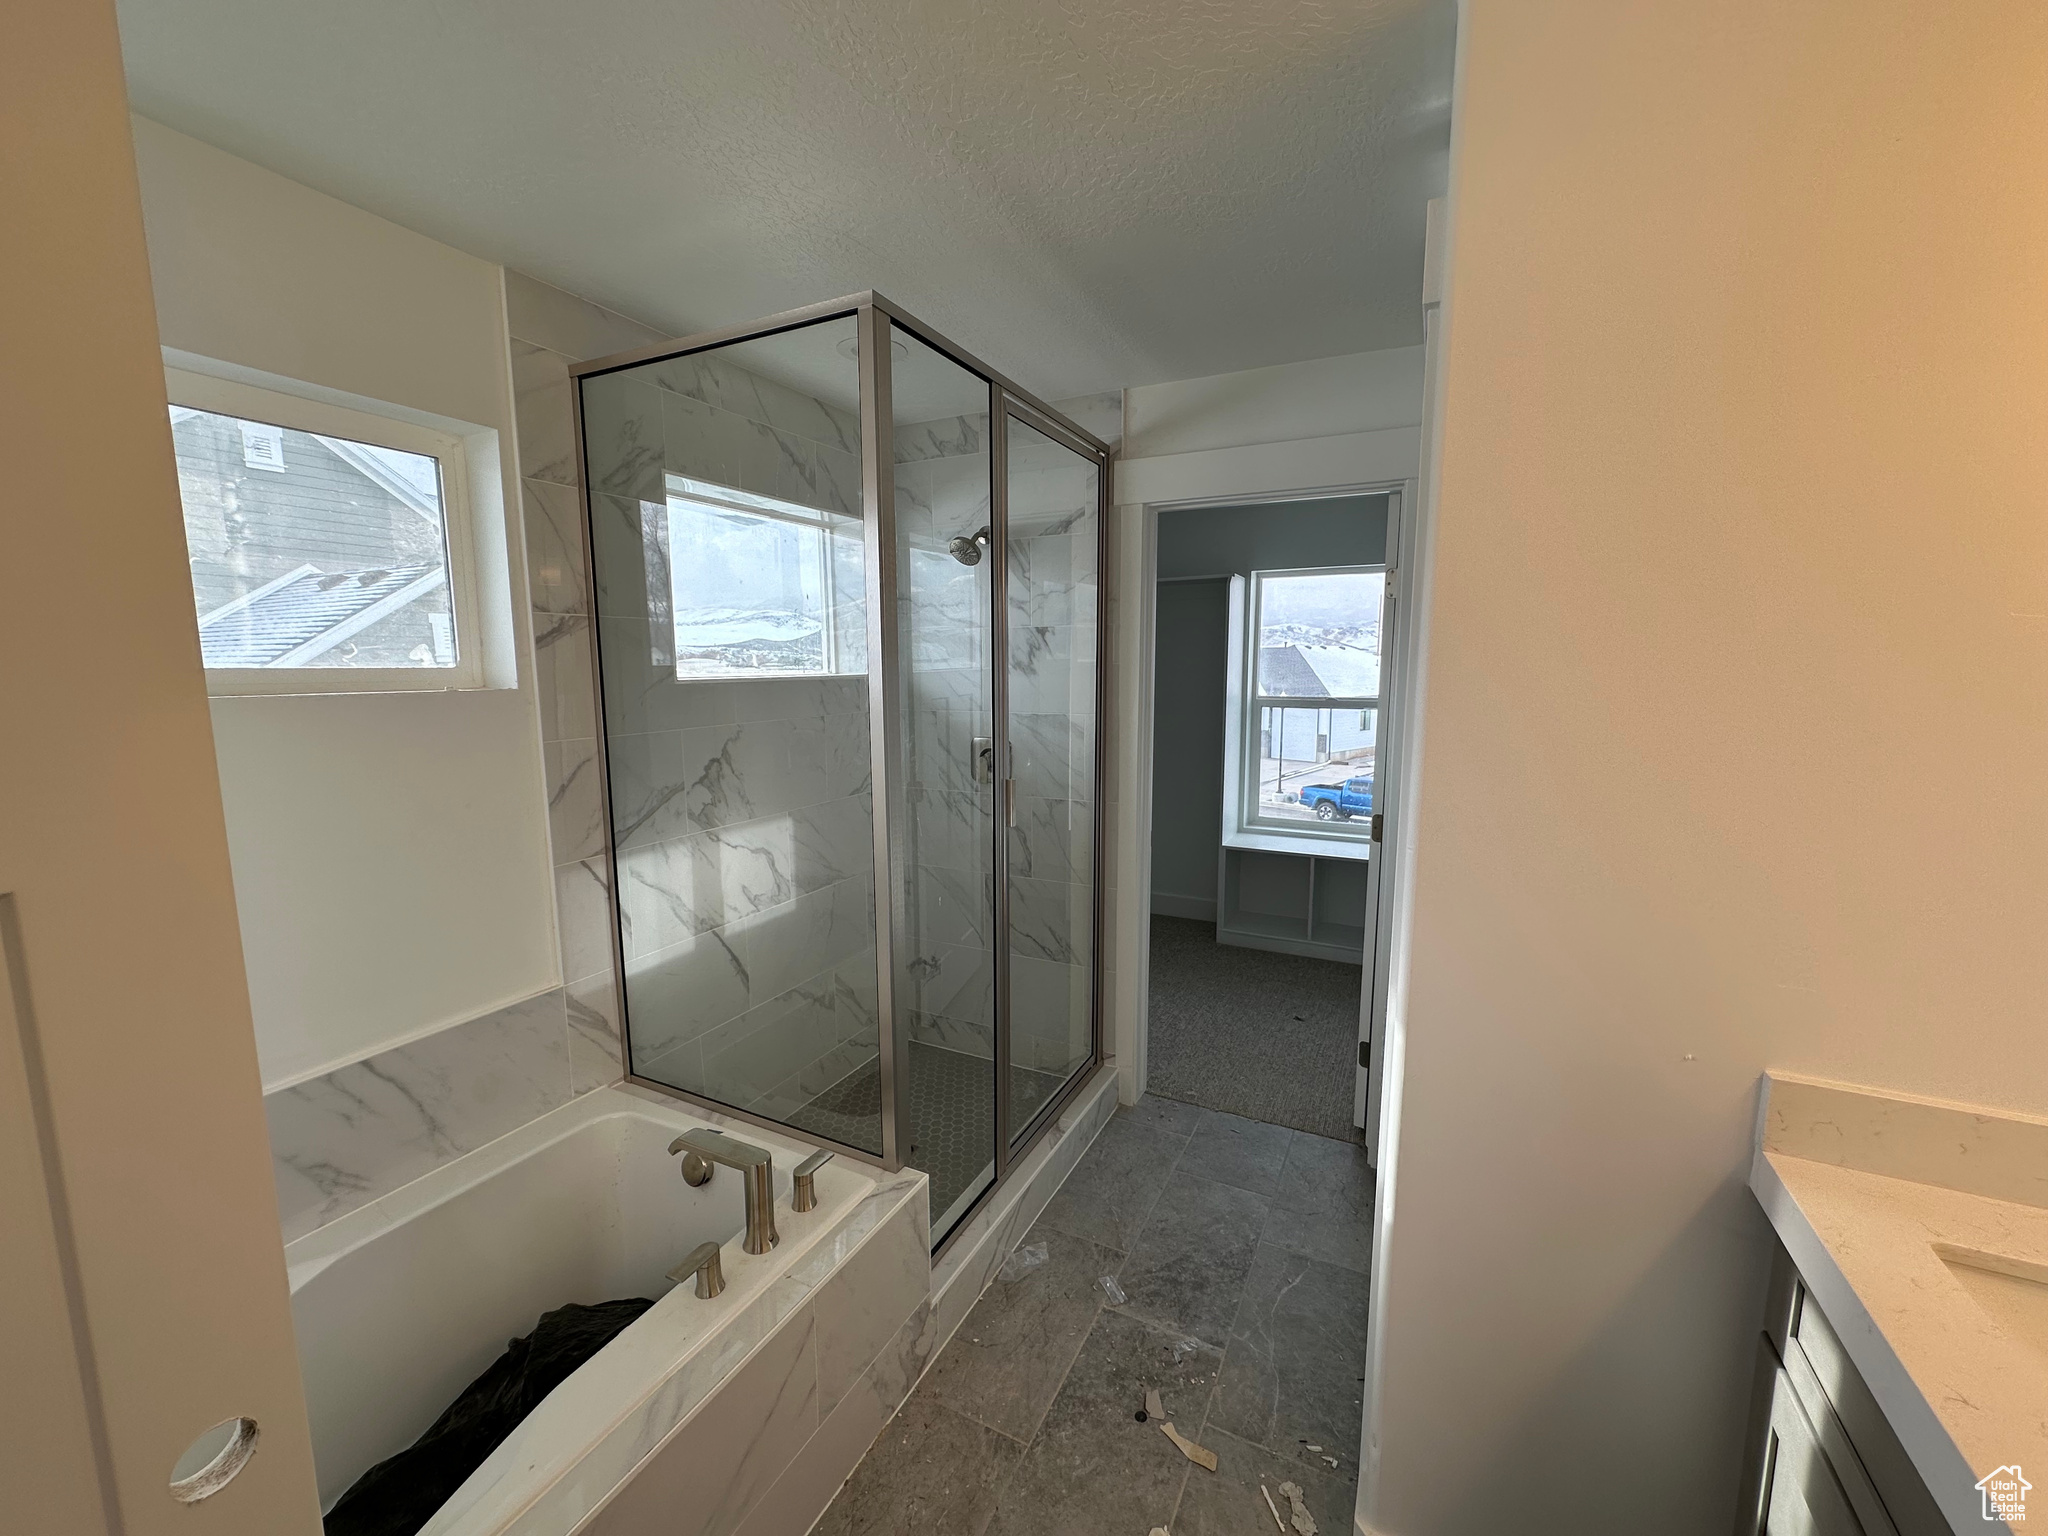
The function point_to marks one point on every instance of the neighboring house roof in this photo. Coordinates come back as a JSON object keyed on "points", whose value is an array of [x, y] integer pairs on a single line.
{"points": [[411, 477], [1319, 672], [307, 612], [1284, 672]]}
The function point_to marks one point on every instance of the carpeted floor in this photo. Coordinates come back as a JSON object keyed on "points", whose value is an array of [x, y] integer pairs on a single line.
{"points": [[1270, 1037]]}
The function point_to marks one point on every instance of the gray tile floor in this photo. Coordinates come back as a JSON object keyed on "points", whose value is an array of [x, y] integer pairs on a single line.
{"points": [[1241, 1250]]}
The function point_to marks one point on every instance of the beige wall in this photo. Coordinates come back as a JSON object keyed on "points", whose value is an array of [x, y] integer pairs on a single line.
{"points": [[150, 1303], [390, 851], [1736, 734]]}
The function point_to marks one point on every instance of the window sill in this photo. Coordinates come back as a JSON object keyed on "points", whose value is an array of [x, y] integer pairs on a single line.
{"points": [[1306, 844], [336, 682]]}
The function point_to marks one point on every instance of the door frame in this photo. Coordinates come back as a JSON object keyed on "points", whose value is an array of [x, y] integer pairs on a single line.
{"points": [[1136, 541]]}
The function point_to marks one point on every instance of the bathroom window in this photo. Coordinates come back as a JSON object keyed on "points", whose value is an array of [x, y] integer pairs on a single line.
{"points": [[761, 587], [329, 547], [1304, 718]]}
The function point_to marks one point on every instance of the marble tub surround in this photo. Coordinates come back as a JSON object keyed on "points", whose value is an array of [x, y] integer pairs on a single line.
{"points": [[726, 1396], [1921, 1228], [353, 1135], [729, 1393]]}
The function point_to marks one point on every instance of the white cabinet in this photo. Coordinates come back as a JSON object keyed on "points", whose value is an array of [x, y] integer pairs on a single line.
{"points": [[1299, 903]]}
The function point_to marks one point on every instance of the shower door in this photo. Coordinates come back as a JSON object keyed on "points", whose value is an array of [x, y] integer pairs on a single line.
{"points": [[1047, 907], [946, 585]]}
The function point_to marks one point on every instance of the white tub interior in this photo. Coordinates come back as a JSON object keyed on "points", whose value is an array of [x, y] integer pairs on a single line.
{"points": [[401, 1305]]}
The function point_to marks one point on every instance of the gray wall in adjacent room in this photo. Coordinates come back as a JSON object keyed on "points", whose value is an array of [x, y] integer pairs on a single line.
{"points": [[1191, 653]]}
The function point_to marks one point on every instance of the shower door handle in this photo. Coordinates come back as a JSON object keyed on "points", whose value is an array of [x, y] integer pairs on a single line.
{"points": [[1010, 802]]}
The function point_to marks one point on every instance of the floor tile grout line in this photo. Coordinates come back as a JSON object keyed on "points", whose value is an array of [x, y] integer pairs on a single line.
{"points": [[1051, 1397], [962, 1413], [1151, 1209], [1003, 1482]]}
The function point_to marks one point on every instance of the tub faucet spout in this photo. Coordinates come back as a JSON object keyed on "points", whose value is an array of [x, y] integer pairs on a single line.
{"points": [[756, 1168]]}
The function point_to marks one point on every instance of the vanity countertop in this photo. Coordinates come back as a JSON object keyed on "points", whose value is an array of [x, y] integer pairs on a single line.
{"points": [[1921, 1228]]}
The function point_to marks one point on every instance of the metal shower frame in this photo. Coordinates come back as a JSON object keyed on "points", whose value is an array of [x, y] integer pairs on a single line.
{"points": [[877, 318]]}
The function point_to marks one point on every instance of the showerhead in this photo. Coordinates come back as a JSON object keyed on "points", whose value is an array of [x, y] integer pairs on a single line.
{"points": [[967, 549]]}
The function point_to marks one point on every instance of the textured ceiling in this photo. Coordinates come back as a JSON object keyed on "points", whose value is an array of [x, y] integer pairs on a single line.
{"points": [[1090, 193]]}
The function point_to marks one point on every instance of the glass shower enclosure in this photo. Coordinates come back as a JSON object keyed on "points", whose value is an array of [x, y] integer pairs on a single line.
{"points": [[846, 585]]}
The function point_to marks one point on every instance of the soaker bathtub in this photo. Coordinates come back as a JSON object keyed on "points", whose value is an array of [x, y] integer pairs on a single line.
{"points": [[400, 1304]]}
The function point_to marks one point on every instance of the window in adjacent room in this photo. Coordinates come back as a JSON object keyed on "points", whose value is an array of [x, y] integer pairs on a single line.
{"points": [[1305, 698], [329, 547]]}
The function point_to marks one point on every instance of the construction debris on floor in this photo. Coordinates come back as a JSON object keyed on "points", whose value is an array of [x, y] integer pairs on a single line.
{"points": [[1188, 1448], [1236, 1257]]}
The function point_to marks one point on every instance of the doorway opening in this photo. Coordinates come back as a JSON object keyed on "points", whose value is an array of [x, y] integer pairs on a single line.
{"points": [[1273, 635]]}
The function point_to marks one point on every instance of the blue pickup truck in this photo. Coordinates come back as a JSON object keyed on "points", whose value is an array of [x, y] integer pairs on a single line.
{"points": [[1339, 802]]}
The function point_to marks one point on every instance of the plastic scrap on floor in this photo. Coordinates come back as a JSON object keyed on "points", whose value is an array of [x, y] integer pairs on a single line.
{"points": [[1022, 1261], [1112, 1290], [1152, 1404], [1160, 1530], [1279, 1524], [1201, 1456], [1304, 1523]]}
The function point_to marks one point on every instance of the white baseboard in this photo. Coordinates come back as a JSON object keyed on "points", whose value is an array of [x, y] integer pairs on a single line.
{"points": [[1201, 908]]}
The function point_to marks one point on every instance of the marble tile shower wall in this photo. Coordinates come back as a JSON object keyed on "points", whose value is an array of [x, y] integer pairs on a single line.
{"points": [[341, 1140], [741, 808], [549, 331], [942, 491], [1053, 613], [942, 472]]}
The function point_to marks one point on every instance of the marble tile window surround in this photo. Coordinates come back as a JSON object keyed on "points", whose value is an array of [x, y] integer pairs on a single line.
{"points": [[741, 808]]}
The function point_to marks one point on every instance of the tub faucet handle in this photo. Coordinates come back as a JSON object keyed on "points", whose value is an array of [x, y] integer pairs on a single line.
{"points": [[804, 1197], [703, 1263], [756, 1167]]}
